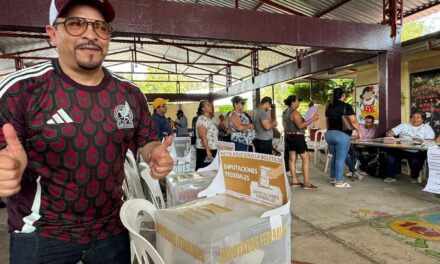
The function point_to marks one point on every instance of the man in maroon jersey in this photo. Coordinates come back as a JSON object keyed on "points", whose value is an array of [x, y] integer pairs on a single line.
{"points": [[66, 127]]}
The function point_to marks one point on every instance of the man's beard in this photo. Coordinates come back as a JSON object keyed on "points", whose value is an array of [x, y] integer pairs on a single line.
{"points": [[89, 65]]}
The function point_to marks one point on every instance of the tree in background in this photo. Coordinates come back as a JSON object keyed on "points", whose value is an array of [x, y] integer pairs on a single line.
{"points": [[319, 91], [162, 83], [414, 29]]}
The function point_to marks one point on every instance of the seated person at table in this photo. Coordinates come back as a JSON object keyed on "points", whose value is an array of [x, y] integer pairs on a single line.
{"points": [[363, 153], [416, 129]]}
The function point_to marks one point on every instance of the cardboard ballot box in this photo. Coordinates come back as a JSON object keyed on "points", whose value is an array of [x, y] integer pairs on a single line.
{"points": [[185, 187], [245, 217]]}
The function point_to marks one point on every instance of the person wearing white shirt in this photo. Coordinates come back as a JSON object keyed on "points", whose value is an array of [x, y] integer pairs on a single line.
{"points": [[416, 129]]}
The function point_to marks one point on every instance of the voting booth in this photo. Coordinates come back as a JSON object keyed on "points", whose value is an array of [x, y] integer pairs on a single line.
{"points": [[242, 217]]}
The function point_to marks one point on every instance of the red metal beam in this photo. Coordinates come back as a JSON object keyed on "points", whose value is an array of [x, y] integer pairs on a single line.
{"points": [[309, 65], [343, 2], [389, 64], [201, 53], [191, 77], [181, 97], [239, 59], [30, 50], [392, 14], [166, 73], [169, 60], [203, 22], [167, 81], [281, 7], [143, 42], [13, 57]]}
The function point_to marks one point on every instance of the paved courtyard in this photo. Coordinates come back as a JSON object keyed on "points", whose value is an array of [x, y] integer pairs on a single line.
{"points": [[372, 222]]}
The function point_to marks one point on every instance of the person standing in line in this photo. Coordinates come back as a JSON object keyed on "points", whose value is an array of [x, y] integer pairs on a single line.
{"points": [[66, 126], [310, 112], [296, 142], [223, 133], [181, 124], [263, 126], [242, 130], [163, 128], [337, 139], [207, 135]]}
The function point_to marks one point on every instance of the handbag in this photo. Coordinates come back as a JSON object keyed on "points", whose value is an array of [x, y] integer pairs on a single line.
{"points": [[346, 124]]}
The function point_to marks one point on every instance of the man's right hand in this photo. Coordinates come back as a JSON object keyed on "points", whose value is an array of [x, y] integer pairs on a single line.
{"points": [[13, 161]]}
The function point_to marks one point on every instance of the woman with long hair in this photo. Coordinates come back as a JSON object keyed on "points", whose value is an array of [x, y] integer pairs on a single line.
{"points": [[338, 140], [296, 142], [207, 133]]}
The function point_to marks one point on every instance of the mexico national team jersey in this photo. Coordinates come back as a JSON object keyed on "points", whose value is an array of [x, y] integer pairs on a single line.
{"points": [[76, 138]]}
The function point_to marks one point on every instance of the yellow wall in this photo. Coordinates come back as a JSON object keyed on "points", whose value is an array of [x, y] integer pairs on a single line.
{"points": [[421, 61], [188, 109]]}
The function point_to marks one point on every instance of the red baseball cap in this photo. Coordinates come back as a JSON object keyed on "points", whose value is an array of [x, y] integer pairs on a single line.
{"points": [[58, 6]]}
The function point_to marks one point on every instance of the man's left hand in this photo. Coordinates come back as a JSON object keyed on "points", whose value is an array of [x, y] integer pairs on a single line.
{"points": [[160, 161]]}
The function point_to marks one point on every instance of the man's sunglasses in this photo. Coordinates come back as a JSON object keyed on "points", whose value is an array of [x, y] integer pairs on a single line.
{"points": [[76, 26]]}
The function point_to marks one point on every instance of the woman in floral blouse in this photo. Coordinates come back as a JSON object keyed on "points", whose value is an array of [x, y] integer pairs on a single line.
{"points": [[207, 133], [242, 130]]}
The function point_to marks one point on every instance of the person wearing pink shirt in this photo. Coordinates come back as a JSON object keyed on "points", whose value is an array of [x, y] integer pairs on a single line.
{"points": [[364, 154]]}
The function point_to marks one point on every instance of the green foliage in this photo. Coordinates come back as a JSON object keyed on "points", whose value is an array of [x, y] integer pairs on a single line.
{"points": [[150, 85], [318, 91], [321, 91], [414, 29]]}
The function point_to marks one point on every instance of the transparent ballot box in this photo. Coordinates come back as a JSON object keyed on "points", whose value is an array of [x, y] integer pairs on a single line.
{"points": [[242, 217], [185, 187]]}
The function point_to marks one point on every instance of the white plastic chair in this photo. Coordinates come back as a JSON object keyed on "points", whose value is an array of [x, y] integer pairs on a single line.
{"points": [[318, 144], [153, 186], [327, 161], [422, 173], [132, 186], [140, 247]]}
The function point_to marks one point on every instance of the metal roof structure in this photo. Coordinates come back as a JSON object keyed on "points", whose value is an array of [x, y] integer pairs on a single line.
{"points": [[200, 60], [210, 60]]}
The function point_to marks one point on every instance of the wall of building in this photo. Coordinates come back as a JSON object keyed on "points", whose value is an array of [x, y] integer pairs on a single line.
{"points": [[189, 109], [420, 61]]}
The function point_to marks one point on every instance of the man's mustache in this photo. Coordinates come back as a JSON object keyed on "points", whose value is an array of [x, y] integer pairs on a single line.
{"points": [[88, 43]]}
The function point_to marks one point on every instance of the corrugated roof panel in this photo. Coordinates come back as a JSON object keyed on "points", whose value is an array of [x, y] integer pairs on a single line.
{"points": [[229, 54], [308, 8], [178, 54], [267, 59], [355, 11], [239, 72]]}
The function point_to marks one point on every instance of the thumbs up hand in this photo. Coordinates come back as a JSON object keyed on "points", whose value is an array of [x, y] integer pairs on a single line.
{"points": [[13, 161], [160, 161]]}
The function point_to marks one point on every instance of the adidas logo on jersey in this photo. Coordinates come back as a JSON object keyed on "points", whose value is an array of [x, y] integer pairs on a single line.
{"points": [[60, 117]]}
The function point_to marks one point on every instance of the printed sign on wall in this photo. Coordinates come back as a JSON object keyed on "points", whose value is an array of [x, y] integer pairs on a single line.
{"points": [[367, 99]]}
